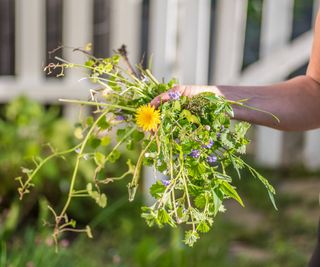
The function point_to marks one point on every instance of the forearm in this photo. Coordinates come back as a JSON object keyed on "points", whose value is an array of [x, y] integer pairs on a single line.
{"points": [[295, 102]]}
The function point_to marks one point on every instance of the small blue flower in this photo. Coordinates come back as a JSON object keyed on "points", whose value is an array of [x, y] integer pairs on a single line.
{"points": [[177, 140], [212, 159], [174, 95], [195, 153], [209, 145], [120, 118], [218, 135], [165, 182]]}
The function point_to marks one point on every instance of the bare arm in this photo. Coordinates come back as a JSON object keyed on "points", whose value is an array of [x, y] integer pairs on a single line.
{"points": [[295, 102]]}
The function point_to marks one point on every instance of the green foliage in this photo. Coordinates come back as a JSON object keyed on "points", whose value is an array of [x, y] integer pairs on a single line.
{"points": [[194, 145]]}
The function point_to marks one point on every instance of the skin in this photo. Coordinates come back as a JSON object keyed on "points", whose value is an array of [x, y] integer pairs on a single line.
{"points": [[295, 102]]}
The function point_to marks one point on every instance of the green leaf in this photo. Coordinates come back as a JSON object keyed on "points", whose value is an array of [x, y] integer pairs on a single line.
{"points": [[105, 140], [190, 117], [121, 133], [271, 196], [190, 237], [114, 156], [217, 200], [227, 189], [164, 218], [102, 200], [200, 201], [157, 189], [103, 124], [73, 223], [241, 128], [203, 227], [99, 158], [90, 121], [137, 136], [94, 142]]}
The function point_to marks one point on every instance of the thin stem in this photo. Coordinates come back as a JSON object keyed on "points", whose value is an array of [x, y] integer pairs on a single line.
{"points": [[75, 171], [73, 101], [39, 166]]}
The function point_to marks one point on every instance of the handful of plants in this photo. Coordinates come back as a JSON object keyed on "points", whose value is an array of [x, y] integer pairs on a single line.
{"points": [[189, 140]]}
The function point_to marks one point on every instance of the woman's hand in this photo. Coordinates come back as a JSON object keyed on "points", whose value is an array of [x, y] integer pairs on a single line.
{"points": [[183, 90]]}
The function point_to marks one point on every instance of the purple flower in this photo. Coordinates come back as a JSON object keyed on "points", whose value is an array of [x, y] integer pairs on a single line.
{"points": [[174, 95], [218, 135], [212, 159], [209, 145], [177, 140], [165, 182], [120, 118], [195, 153]]}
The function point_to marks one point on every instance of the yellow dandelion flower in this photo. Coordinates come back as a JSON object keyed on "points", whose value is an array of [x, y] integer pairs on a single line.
{"points": [[148, 118]]}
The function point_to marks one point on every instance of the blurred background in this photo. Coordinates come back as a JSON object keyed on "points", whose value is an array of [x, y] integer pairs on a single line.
{"points": [[196, 41]]}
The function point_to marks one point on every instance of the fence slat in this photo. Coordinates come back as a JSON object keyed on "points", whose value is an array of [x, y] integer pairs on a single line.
{"points": [[279, 64], [312, 150], [162, 49], [77, 32], [163, 36], [275, 33], [125, 27], [194, 41], [30, 40], [230, 36]]}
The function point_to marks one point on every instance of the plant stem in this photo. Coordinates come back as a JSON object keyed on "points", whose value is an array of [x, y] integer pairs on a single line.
{"points": [[25, 185], [73, 101], [75, 171]]}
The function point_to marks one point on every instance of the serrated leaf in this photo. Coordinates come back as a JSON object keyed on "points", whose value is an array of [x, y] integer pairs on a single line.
{"points": [[190, 237], [200, 201], [203, 227], [157, 189]]}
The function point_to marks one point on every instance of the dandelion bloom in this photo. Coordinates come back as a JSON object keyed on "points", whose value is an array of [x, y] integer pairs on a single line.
{"points": [[148, 118]]}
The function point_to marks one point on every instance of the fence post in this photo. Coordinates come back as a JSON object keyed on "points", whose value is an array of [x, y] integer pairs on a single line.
{"points": [[30, 41], [162, 49], [275, 34], [194, 41], [77, 32], [163, 36], [230, 36], [125, 27]]}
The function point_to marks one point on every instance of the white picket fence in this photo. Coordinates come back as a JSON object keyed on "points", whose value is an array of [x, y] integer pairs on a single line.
{"points": [[179, 40]]}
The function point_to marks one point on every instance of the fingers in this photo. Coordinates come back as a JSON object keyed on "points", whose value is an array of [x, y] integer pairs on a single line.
{"points": [[164, 97]]}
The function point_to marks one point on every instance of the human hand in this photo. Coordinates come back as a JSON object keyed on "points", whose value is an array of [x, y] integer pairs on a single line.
{"points": [[183, 90]]}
